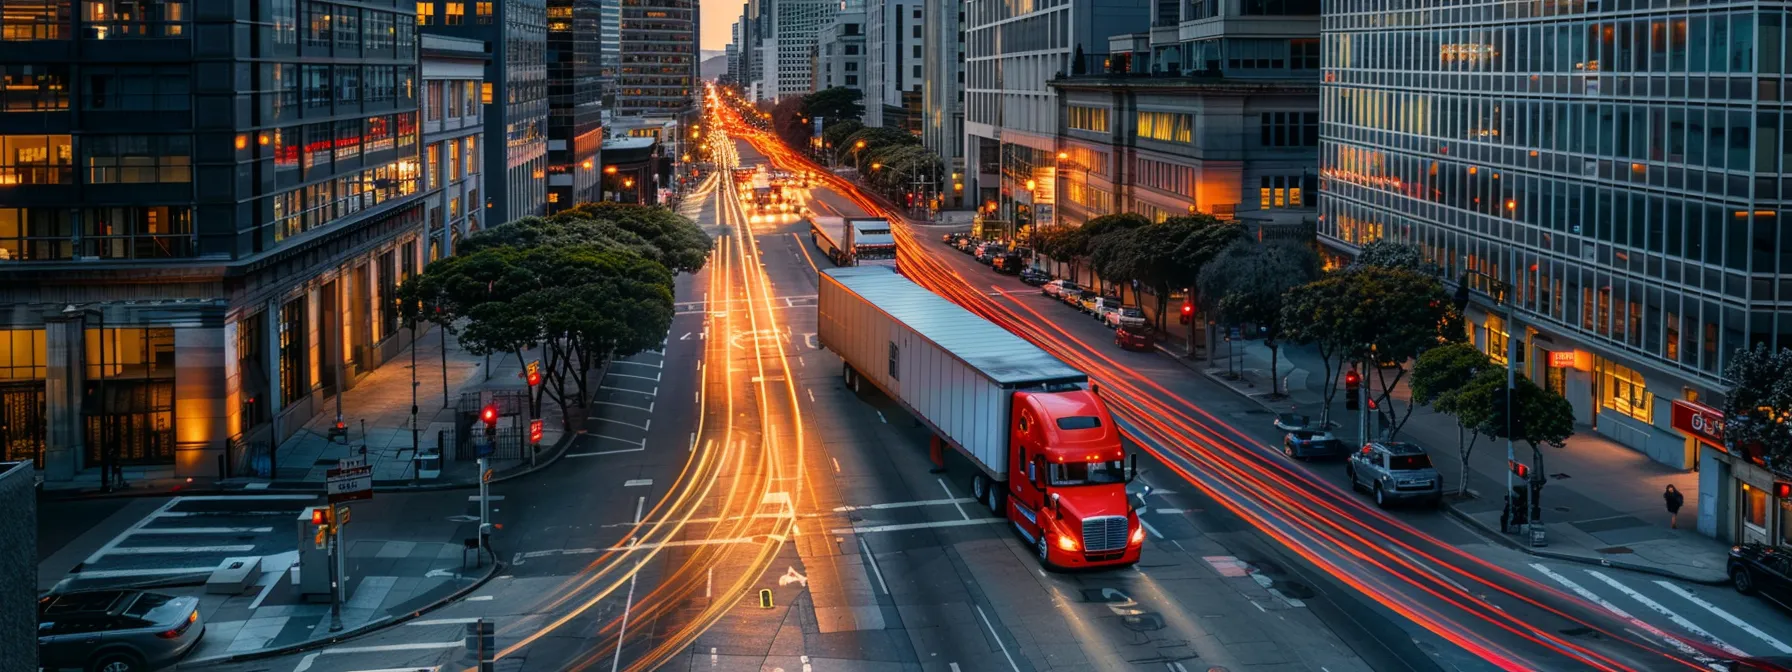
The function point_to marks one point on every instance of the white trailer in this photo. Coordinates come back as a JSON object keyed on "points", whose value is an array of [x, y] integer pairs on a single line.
{"points": [[953, 370]]}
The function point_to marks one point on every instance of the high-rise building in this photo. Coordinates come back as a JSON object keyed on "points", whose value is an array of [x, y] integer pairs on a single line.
{"points": [[658, 72], [942, 93], [794, 27], [575, 124], [453, 135], [1623, 168], [516, 81], [609, 49], [1011, 113], [893, 38], [840, 52], [200, 239]]}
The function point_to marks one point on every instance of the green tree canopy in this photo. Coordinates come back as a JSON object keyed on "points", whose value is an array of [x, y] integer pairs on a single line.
{"points": [[834, 133], [1438, 377], [834, 104], [683, 246], [1375, 315], [1384, 253], [1246, 282], [1758, 406]]}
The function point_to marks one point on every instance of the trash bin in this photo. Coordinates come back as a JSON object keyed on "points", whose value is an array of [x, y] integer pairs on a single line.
{"points": [[428, 465]]}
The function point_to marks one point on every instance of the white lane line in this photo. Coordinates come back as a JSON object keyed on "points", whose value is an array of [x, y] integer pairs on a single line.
{"points": [[494, 498], [1589, 596], [597, 453], [246, 498], [1658, 608], [637, 482], [1433, 572], [879, 573], [442, 621], [955, 503], [1149, 528], [305, 663], [123, 573], [1727, 616], [272, 581], [166, 550], [657, 366], [622, 632], [640, 504], [880, 416], [709, 585], [642, 427], [624, 389], [686, 335], [917, 526], [998, 638], [902, 505], [836, 464], [415, 646], [204, 530], [693, 443], [655, 378], [811, 392], [402, 669], [645, 409], [642, 442], [113, 542]]}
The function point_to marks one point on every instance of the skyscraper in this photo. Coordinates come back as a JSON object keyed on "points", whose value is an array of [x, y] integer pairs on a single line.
{"points": [[893, 40], [794, 27], [575, 127], [942, 92], [516, 127], [609, 48], [658, 64], [1622, 167]]}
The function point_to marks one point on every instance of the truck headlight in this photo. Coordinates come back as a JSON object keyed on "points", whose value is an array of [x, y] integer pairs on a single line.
{"points": [[1067, 543], [1138, 535]]}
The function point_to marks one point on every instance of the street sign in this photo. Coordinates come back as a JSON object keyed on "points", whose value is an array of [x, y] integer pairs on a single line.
{"points": [[352, 462], [487, 476], [322, 539], [347, 485], [342, 515], [535, 431]]}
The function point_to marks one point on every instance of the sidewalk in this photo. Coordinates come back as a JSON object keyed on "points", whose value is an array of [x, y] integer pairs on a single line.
{"points": [[1602, 503]]}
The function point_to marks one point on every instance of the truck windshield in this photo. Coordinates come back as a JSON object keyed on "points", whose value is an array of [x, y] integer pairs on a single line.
{"points": [[1088, 473]]}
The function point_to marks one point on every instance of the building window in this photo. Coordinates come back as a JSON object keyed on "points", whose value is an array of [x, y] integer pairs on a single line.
{"points": [[25, 20], [432, 164], [426, 12], [252, 376], [388, 304], [1303, 54], [1496, 339], [1089, 118], [316, 86], [1279, 7], [378, 137], [1754, 507], [348, 27], [348, 83], [453, 161], [1290, 129], [379, 30], [472, 157], [35, 234], [294, 363], [136, 88], [129, 399], [114, 19], [33, 88], [22, 354], [407, 131], [319, 140], [483, 12], [348, 139], [433, 101], [317, 25], [137, 159], [1167, 126], [35, 159], [380, 84], [1624, 390], [454, 13], [141, 232], [1280, 191]]}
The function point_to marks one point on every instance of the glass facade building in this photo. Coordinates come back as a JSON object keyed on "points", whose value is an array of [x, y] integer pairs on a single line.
{"points": [[516, 90], [1624, 165], [575, 124], [657, 74]]}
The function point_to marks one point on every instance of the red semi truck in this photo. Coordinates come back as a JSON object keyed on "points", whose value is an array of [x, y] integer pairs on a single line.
{"points": [[1047, 452]]}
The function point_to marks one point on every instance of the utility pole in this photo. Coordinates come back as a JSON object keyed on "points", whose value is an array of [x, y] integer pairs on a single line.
{"points": [[335, 559]]}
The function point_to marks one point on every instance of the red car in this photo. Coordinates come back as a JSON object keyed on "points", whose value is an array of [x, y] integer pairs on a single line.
{"points": [[1135, 338]]}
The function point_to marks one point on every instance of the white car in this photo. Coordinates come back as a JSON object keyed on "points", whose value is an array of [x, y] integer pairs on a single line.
{"points": [[1056, 288], [1103, 306], [1128, 317]]}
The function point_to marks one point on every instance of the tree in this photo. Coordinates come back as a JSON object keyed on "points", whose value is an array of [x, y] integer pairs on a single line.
{"points": [[683, 246], [833, 133], [1079, 243], [1109, 230], [1384, 253], [1535, 416], [1437, 377], [1758, 406], [1247, 282], [834, 104]]}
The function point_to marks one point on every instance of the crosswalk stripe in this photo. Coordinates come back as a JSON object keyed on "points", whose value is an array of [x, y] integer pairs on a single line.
{"points": [[1727, 616], [1658, 608], [1590, 596]]}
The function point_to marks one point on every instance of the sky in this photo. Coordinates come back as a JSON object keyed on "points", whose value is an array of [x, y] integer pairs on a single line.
{"points": [[718, 15]]}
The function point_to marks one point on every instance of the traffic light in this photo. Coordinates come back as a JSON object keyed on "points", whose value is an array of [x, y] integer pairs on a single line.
{"points": [[1519, 469], [489, 416], [1782, 489], [1188, 312], [534, 378], [1353, 382], [325, 522]]}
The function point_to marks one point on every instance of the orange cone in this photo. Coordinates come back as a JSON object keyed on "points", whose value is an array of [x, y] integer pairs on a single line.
{"points": [[937, 452]]}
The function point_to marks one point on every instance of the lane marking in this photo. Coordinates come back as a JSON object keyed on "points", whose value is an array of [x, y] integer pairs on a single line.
{"points": [[836, 464], [1590, 596], [622, 632], [811, 392], [655, 378], [640, 504], [113, 542], [442, 621], [642, 442], [917, 526], [612, 388], [998, 638], [902, 505], [164, 550], [645, 409], [685, 336], [244, 498], [1727, 616], [1149, 528], [1658, 608], [415, 646], [204, 530], [643, 427], [494, 498], [709, 585], [880, 416], [650, 364], [879, 573], [596, 453], [637, 482], [122, 573], [955, 502]]}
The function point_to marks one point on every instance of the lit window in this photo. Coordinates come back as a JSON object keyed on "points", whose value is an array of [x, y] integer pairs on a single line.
{"points": [[454, 13], [1624, 390], [1754, 506]]}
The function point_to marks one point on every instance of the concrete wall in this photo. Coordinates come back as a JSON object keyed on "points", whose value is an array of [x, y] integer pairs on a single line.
{"points": [[18, 557]]}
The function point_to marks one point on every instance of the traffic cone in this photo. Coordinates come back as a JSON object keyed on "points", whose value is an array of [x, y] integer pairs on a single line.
{"points": [[937, 452]]}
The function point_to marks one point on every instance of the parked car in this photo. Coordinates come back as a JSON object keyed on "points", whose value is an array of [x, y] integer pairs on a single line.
{"points": [[1073, 297], [967, 245], [1395, 470], [1008, 263], [1035, 277], [1139, 338], [116, 630], [1125, 317], [1312, 444], [1090, 302], [1104, 306], [1056, 288], [1760, 569], [948, 238]]}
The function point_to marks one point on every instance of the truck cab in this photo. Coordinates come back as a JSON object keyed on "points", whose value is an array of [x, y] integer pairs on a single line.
{"points": [[1067, 490]]}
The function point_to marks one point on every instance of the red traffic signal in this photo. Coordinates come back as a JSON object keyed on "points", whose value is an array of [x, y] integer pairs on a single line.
{"points": [[1188, 311], [534, 378], [320, 516], [1782, 490], [489, 415], [1519, 469], [1352, 380]]}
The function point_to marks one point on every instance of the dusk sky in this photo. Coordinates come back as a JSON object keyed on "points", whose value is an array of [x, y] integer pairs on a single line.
{"points": [[718, 15]]}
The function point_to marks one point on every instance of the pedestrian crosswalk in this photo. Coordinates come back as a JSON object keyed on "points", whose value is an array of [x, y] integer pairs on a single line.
{"points": [[1681, 615], [191, 536]]}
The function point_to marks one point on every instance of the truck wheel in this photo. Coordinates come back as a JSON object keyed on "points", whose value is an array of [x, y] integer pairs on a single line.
{"points": [[1039, 545], [998, 503], [978, 486]]}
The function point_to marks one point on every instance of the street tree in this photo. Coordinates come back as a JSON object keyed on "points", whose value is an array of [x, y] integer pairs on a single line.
{"points": [[683, 246], [1080, 245], [1247, 282], [534, 231], [1535, 416], [1437, 378], [1758, 406], [834, 133], [834, 104], [1384, 253], [615, 304]]}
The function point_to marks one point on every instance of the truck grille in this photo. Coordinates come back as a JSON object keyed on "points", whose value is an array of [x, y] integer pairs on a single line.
{"points": [[1104, 533]]}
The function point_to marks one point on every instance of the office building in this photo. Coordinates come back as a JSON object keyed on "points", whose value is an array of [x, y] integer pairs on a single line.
{"points": [[575, 124], [1623, 167], [840, 52], [894, 40], [200, 239], [794, 27], [609, 49], [516, 88], [942, 93], [1225, 123], [1011, 112], [658, 72], [453, 139]]}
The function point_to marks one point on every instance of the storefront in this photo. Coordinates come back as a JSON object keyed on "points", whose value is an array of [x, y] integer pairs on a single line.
{"points": [[1740, 500]]}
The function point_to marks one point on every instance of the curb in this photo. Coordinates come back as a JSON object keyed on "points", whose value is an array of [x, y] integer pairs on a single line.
{"points": [[1481, 528], [365, 629], [1496, 536]]}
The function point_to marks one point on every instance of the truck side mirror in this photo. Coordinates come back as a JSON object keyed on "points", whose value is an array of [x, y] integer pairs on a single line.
{"points": [[1057, 508], [1132, 468], [1095, 388], [1144, 499]]}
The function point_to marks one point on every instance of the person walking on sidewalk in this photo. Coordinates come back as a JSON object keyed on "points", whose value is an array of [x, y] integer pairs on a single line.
{"points": [[1674, 500]]}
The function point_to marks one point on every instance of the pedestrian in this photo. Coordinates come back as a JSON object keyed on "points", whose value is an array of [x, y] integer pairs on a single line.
{"points": [[1674, 499]]}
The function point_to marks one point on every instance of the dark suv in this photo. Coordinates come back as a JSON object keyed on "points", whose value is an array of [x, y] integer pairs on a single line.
{"points": [[1757, 568], [1394, 470]]}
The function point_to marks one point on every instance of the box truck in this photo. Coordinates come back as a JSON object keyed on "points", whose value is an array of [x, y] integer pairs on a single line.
{"points": [[854, 241], [1047, 453]]}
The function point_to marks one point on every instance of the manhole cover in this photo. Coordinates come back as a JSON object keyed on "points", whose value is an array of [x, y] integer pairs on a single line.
{"points": [[1615, 550]]}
